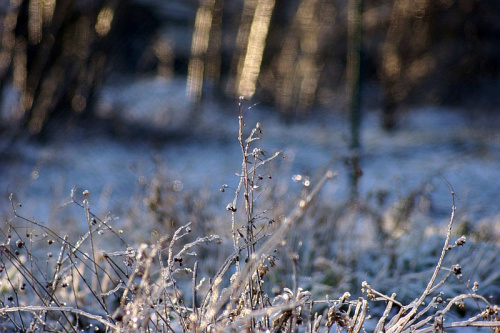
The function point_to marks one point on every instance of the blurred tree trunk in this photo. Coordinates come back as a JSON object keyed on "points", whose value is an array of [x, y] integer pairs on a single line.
{"points": [[12, 57], [197, 68], [403, 54], [250, 62], [51, 59], [241, 44], [214, 52], [353, 68], [55, 54], [298, 65], [353, 76], [391, 61]]}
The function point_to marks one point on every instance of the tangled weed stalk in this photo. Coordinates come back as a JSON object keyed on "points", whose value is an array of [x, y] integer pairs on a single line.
{"points": [[161, 287]]}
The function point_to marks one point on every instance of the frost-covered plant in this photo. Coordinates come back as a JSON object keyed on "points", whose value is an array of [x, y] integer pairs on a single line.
{"points": [[98, 281]]}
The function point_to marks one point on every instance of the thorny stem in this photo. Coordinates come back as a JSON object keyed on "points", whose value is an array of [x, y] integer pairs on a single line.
{"points": [[63, 309], [102, 222], [247, 184], [274, 241], [237, 192], [94, 259], [387, 310], [400, 325], [195, 274]]}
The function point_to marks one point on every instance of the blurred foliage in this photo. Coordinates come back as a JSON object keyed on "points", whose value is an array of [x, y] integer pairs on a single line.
{"points": [[55, 54]]}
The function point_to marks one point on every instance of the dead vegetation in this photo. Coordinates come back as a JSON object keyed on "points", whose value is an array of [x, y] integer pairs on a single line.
{"points": [[53, 282]]}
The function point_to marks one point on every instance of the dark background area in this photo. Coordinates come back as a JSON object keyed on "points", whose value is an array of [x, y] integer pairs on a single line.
{"points": [[56, 55]]}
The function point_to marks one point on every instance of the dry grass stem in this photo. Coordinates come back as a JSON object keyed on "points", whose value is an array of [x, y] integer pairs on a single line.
{"points": [[97, 281]]}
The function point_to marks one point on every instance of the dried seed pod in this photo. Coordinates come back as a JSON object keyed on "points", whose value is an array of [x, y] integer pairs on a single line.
{"points": [[457, 270], [230, 207], [460, 241], [258, 126]]}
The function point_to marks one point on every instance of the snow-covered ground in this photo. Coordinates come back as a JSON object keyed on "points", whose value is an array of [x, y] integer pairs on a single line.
{"points": [[431, 144]]}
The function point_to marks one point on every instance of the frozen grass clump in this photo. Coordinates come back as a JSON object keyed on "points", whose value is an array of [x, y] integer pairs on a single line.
{"points": [[257, 265]]}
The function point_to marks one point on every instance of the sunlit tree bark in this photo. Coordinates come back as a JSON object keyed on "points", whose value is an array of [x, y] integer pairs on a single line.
{"points": [[403, 60], [240, 45], [298, 64], [214, 52], [249, 66], [199, 48]]}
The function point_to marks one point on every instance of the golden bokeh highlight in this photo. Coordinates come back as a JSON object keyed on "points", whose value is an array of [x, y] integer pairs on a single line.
{"points": [[104, 20]]}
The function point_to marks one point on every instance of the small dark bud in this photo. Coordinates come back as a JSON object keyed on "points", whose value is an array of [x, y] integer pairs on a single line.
{"points": [[230, 207], [118, 316]]}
